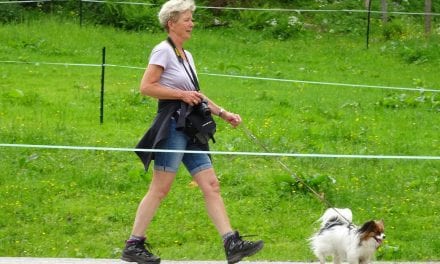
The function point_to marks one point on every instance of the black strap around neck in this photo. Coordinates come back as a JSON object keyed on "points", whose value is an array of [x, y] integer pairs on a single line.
{"points": [[179, 56]]}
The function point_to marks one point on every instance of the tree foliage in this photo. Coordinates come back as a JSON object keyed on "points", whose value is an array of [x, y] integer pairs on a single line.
{"points": [[276, 24]]}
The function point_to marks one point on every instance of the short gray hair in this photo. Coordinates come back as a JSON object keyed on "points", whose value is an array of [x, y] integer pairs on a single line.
{"points": [[172, 9]]}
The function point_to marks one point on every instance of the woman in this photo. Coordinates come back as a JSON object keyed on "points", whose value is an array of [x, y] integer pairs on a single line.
{"points": [[170, 77]]}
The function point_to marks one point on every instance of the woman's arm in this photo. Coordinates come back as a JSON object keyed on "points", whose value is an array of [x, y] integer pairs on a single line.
{"points": [[231, 118], [150, 86]]}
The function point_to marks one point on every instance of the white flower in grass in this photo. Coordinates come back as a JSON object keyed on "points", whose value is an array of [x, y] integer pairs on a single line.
{"points": [[273, 22], [293, 20]]}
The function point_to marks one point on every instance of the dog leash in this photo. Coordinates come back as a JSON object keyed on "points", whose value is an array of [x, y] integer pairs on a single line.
{"points": [[292, 173]]}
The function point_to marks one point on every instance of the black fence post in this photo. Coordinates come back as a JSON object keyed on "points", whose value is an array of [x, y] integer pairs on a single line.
{"points": [[368, 22], [101, 116], [51, 7], [80, 12]]}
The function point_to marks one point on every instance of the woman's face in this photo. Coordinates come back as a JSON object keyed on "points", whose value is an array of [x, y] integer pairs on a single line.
{"points": [[183, 26]]}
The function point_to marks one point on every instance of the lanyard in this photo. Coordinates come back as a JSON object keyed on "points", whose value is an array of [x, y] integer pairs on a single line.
{"points": [[191, 76]]}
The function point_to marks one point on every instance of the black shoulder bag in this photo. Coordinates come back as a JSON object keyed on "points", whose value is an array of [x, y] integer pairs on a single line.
{"points": [[199, 124]]}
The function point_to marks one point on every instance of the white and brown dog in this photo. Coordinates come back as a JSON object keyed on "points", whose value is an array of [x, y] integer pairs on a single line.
{"points": [[342, 240]]}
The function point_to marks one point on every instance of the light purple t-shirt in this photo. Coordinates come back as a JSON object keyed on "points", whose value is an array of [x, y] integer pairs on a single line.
{"points": [[174, 75]]}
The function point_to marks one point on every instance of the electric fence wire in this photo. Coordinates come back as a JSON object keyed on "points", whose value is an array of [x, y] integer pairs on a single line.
{"points": [[243, 8], [232, 153], [434, 90]]}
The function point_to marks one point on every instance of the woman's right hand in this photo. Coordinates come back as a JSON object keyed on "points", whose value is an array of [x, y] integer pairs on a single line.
{"points": [[192, 97]]}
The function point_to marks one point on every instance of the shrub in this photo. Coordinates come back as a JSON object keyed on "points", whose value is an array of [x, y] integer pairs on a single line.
{"points": [[10, 12], [274, 25], [402, 101], [125, 16], [392, 30]]}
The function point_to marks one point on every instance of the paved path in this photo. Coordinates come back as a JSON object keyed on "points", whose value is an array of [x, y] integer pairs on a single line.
{"points": [[7, 260], [109, 261]]}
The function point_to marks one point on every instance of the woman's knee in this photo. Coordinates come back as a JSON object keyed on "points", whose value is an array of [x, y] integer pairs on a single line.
{"points": [[161, 184], [211, 187], [215, 186], [160, 192]]}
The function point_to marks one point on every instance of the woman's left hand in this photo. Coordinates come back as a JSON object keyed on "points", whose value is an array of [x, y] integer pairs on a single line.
{"points": [[231, 118]]}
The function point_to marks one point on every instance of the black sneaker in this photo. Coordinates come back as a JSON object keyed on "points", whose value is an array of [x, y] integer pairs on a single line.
{"points": [[236, 248], [135, 251]]}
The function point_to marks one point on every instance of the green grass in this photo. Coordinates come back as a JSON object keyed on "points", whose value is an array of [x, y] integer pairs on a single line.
{"points": [[72, 203]]}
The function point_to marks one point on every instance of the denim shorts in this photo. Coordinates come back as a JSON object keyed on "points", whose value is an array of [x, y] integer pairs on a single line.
{"points": [[170, 161]]}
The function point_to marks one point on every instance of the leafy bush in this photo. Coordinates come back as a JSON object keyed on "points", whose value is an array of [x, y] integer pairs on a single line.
{"points": [[125, 16], [17, 13], [412, 52], [339, 22], [10, 13], [401, 101], [393, 30], [274, 25]]}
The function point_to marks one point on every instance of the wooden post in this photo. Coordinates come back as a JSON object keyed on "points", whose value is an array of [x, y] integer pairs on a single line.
{"points": [[368, 22], [384, 7], [367, 3], [428, 11]]}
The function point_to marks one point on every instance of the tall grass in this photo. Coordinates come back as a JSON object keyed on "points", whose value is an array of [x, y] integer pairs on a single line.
{"points": [[71, 203]]}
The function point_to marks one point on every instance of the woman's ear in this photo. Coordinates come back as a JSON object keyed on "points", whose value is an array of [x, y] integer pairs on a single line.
{"points": [[170, 23]]}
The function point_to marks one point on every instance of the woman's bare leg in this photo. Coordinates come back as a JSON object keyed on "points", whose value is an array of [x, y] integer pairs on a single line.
{"points": [[208, 183], [158, 190]]}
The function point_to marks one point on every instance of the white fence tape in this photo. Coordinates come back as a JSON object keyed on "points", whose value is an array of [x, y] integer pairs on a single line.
{"points": [[240, 76], [241, 153]]}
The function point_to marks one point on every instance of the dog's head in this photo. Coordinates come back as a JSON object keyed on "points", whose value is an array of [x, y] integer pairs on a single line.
{"points": [[373, 230]]}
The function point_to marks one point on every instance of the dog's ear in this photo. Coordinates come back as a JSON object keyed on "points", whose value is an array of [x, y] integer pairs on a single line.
{"points": [[381, 225], [367, 227]]}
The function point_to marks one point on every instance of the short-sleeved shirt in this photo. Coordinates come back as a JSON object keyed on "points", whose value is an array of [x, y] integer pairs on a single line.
{"points": [[174, 74]]}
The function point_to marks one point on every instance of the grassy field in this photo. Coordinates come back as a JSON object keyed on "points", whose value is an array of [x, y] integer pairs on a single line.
{"points": [[81, 203]]}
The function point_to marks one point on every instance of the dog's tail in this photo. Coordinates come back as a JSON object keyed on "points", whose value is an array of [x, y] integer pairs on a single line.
{"points": [[341, 215]]}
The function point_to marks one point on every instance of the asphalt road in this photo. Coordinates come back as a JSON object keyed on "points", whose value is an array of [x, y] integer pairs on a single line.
{"points": [[8, 260]]}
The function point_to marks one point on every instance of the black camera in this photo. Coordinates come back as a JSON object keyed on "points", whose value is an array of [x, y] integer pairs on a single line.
{"points": [[203, 108]]}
